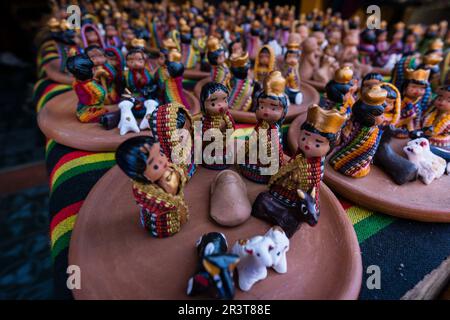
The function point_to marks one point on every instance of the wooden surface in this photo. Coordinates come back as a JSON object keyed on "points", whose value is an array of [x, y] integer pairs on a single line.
{"points": [[119, 260], [58, 121], [310, 96], [195, 74], [413, 200]]}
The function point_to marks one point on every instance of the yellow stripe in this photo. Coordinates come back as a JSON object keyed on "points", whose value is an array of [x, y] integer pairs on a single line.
{"points": [[44, 96], [357, 214], [62, 227], [242, 132], [81, 161]]}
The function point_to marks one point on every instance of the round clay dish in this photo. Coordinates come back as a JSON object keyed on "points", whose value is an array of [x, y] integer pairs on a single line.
{"points": [[413, 200], [310, 96], [195, 74], [58, 121], [120, 260]]}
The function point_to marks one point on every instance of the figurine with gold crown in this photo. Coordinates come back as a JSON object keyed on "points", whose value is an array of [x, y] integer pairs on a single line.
{"points": [[415, 97], [173, 85], [291, 72], [340, 91], [293, 196], [162, 73], [354, 156], [241, 86], [216, 56], [431, 60], [271, 109], [189, 57], [254, 42]]}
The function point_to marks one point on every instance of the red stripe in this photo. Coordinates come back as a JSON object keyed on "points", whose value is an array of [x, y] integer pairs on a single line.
{"points": [[68, 157], [345, 204], [65, 213]]}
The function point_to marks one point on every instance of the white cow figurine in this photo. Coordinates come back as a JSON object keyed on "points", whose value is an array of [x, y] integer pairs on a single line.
{"points": [[281, 241], [255, 257], [127, 121], [430, 165], [150, 106]]}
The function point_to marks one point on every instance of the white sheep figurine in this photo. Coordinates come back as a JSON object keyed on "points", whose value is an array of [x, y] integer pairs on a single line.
{"points": [[127, 121], [150, 106], [281, 241]]}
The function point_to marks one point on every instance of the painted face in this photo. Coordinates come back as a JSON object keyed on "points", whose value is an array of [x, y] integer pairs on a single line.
{"points": [[217, 103], [97, 57], [369, 83], [389, 105], [264, 58], [415, 91], [156, 164], [128, 36], [92, 37], [442, 102], [221, 58], [197, 33], [237, 49], [111, 31], [269, 110], [292, 59], [313, 144], [136, 61]]}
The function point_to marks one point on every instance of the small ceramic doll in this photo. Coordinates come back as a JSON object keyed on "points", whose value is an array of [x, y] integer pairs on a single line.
{"points": [[354, 156], [91, 94], [293, 195], [112, 38], [310, 58], [396, 47], [340, 91], [215, 269], [241, 85], [271, 108], [172, 125], [367, 46], [382, 55], [431, 60], [436, 121], [410, 42], [415, 96], [173, 85], [105, 73], [138, 80], [90, 35], [334, 43], [216, 56], [253, 40], [292, 74], [264, 63], [157, 185], [392, 106], [410, 61], [199, 40], [371, 79], [214, 104], [189, 59]]}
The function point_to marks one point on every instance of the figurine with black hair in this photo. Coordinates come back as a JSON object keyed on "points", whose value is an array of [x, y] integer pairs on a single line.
{"points": [[91, 94], [157, 185], [214, 275], [293, 195], [173, 84], [189, 56], [371, 79], [214, 105], [220, 72], [291, 72], [264, 63], [340, 91], [382, 55], [367, 47], [354, 156], [254, 42], [271, 109], [241, 86]]}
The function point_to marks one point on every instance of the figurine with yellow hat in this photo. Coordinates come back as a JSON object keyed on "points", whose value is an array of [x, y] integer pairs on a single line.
{"points": [[415, 96], [291, 72], [293, 195], [173, 87], [271, 108], [241, 85], [264, 63], [189, 56], [339, 91], [254, 42], [354, 156], [216, 56], [162, 74], [431, 60]]}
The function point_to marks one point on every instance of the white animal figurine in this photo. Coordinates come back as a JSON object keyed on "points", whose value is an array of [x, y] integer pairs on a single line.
{"points": [[281, 241], [430, 165], [150, 106], [127, 121], [255, 257]]}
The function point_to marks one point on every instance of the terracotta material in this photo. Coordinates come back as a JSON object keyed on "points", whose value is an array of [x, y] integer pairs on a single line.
{"points": [[195, 74], [229, 185], [58, 121], [377, 191], [310, 96], [120, 261]]}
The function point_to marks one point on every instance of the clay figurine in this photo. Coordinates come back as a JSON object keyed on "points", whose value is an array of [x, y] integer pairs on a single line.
{"points": [[241, 85], [157, 185], [220, 72], [436, 121], [340, 91], [229, 185], [189, 59], [292, 74], [264, 63], [354, 156], [253, 40], [214, 275], [278, 236], [271, 109], [293, 195], [173, 84], [430, 165], [91, 94], [309, 61], [214, 105]]}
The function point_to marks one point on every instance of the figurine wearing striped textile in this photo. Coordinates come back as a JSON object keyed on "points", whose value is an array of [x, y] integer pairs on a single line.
{"points": [[173, 86], [241, 86], [216, 57], [271, 108], [354, 157], [157, 185], [190, 59], [436, 122]]}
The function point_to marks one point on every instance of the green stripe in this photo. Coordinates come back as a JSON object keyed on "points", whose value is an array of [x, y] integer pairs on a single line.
{"points": [[372, 225], [83, 169], [53, 93], [50, 147], [61, 244]]}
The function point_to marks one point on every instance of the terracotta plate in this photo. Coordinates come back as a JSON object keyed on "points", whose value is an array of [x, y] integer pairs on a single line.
{"points": [[195, 74], [377, 191], [57, 120], [119, 260], [310, 96]]}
